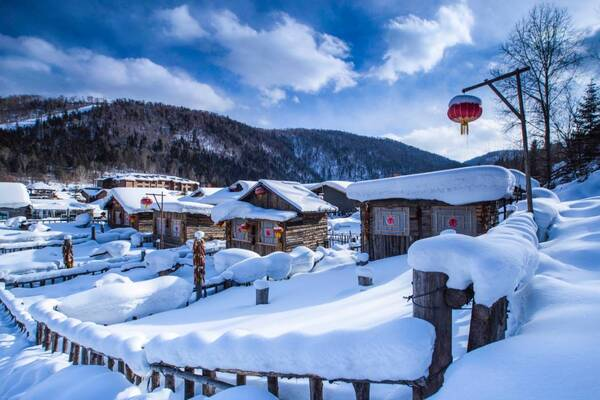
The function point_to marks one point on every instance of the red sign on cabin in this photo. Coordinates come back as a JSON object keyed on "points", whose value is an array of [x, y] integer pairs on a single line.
{"points": [[390, 220], [268, 233], [453, 222]]}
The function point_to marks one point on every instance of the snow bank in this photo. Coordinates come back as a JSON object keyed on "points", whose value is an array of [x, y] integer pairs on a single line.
{"points": [[117, 248], [122, 301], [240, 209], [161, 260], [17, 308], [15, 222], [577, 190], [496, 262], [83, 220], [38, 227], [111, 278], [303, 259], [14, 195], [115, 234], [335, 257], [543, 193], [245, 392], [351, 354], [276, 265], [545, 212], [454, 186], [226, 258]]}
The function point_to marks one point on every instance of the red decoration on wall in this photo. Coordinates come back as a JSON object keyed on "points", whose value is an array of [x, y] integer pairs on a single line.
{"points": [[453, 222], [390, 220], [464, 109]]}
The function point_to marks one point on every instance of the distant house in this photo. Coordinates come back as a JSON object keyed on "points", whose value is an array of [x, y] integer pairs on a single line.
{"points": [[90, 194], [274, 216], [41, 190], [125, 208], [231, 192], [521, 184], [58, 208], [179, 220], [142, 180], [395, 212], [14, 200], [334, 192], [204, 191]]}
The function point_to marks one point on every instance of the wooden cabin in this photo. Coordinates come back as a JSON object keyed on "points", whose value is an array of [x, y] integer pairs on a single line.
{"points": [[274, 216], [334, 192], [14, 201], [179, 220], [395, 212], [41, 190], [143, 180], [125, 209], [520, 192]]}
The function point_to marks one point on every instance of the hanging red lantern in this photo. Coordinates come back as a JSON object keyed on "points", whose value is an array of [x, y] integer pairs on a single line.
{"points": [[464, 109], [259, 191], [146, 202]]}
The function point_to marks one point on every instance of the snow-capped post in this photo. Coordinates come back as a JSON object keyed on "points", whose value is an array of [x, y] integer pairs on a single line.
{"points": [[365, 276], [199, 262], [67, 250], [208, 390], [93, 235], [362, 259], [273, 385], [154, 380], [143, 255], [262, 291], [315, 388], [76, 349], [102, 226], [429, 304], [488, 324], [188, 385]]}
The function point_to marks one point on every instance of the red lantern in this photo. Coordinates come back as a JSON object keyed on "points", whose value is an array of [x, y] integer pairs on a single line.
{"points": [[259, 191], [464, 109], [146, 201]]}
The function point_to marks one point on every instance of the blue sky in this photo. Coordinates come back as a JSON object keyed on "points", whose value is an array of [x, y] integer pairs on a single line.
{"points": [[372, 67]]}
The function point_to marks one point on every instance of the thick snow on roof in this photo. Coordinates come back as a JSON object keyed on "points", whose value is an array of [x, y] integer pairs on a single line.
{"points": [[240, 209], [204, 191], [229, 193], [40, 186], [337, 185], [68, 204], [13, 195], [137, 176], [91, 191], [297, 195], [521, 181], [181, 206], [130, 198], [452, 186]]}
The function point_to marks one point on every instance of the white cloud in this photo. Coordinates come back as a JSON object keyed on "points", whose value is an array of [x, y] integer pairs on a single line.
{"points": [[272, 96], [180, 24], [417, 44], [289, 56], [81, 72], [485, 135]]}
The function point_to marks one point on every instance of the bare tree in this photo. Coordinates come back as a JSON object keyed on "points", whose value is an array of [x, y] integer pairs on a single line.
{"points": [[546, 42]]}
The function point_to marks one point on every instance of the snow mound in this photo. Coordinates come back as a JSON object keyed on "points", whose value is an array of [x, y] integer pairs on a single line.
{"points": [[543, 193], [577, 190], [276, 265], [122, 301], [545, 211], [335, 257], [118, 248], [303, 259], [496, 263], [240, 209], [136, 240], [38, 227], [226, 258], [83, 220], [244, 392], [115, 234], [161, 260], [15, 222], [110, 278]]}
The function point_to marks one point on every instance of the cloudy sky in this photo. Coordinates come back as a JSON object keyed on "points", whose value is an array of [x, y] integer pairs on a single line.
{"points": [[372, 67]]}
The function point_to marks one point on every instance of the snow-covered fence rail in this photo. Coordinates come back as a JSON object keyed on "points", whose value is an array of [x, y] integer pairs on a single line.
{"points": [[450, 270], [38, 244], [352, 240]]}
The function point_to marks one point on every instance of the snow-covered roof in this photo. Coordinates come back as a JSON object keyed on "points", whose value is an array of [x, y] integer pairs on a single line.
{"points": [[13, 195], [453, 186], [130, 198], [40, 186], [337, 185], [59, 204], [182, 206], [240, 209], [138, 176], [232, 192], [91, 192], [520, 180], [297, 195], [204, 191]]}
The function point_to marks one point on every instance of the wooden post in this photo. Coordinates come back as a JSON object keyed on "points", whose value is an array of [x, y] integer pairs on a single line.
{"points": [[65, 345], [199, 262], [154, 380], [47, 333], [54, 342], [76, 349], [429, 304], [361, 389], [365, 276], [262, 291], [208, 390], [316, 388], [110, 363], [85, 356], [129, 374], [93, 236], [170, 382], [240, 379], [488, 324], [121, 367], [188, 386], [143, 255], [273, 385], [39, 333], [67, 249]]}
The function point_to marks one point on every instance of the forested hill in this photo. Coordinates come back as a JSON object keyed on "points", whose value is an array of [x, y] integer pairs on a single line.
{"points": [[149, 137]]}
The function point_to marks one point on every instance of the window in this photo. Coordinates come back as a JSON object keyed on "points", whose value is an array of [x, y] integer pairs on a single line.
{"points": [[176, 228], [391, 221], [267, 233], [461, 219], [236, 230], [3, 215], [118, 218]]}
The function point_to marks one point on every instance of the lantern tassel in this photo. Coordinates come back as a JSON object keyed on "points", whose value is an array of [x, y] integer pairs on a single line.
{"points": [[464, 128]]}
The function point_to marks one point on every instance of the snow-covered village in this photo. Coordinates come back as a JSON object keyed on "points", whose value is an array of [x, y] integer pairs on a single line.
{"points": [[328, 200]]}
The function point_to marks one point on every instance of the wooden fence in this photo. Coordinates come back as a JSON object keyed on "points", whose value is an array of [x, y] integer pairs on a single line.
{"points": [[353, 240]]}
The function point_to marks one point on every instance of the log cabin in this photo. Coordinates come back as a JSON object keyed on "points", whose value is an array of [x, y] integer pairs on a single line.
{"points": [[125, 209], [14, 201], [232, 192], [397, 211], [180, 219], [334, 192], [143, 180], [274, 216]]}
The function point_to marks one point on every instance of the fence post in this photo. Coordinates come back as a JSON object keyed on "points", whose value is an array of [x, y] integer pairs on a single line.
{"points": [[208, 390], [39, 334], [170, 382], [154, 380], [488, 324], [188, 386], [199, 262], [76, 350], [262, 291], [67, 249], [65, 344], [240, 379], [316, 388], [110, 363], [47, 333], [93, 236], [85, 356], [362, 389], [273, 385], [429, 304], [54, 342]]}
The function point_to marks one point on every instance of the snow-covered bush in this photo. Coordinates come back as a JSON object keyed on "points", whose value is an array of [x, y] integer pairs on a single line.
{"points": [[83, 220], [38, 227], [161, 260], [228, 257], [119, 302]]}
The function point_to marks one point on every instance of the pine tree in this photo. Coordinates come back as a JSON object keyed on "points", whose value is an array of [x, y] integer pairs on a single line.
{"points": [[583, 147]]}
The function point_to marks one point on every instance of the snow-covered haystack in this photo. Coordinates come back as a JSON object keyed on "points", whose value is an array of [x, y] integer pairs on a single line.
{"points": [[122, 301], [161, 260], [228, 257], [495, 263]]}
